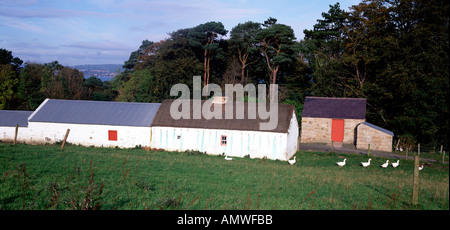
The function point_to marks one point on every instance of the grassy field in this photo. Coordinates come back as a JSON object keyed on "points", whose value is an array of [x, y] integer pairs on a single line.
{"points": [[47, 178]]}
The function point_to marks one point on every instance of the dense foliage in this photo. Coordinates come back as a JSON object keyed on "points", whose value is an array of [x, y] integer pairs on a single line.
{"points": [[392, 52]]}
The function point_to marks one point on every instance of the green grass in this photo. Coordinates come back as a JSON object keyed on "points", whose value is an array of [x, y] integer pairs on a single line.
{"points": [[46, 177]]}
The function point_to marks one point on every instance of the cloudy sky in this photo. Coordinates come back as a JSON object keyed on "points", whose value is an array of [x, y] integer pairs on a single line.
{"points": [[75, 32]]}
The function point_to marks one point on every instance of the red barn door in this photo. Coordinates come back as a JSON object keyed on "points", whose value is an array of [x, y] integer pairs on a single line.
{"points": [[337, 130]]}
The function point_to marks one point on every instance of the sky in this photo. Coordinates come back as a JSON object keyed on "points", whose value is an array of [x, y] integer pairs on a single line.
{"points": [[77, 32]]}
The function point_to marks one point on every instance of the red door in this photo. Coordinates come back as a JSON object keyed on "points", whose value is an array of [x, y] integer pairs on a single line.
{"points": [[337, 130]]}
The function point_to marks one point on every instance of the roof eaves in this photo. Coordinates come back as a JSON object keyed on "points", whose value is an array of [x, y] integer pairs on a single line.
{"points": [[378, 128], [38, 108]]}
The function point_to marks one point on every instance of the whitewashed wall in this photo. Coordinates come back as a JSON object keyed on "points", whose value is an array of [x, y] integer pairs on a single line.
{"points": [[87, 135], [256, 144], [292, 137], [239, 143], [7, 134], [275, 146]]}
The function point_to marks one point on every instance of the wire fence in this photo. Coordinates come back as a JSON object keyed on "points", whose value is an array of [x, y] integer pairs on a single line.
{"points": [[439, 153], [427, 149]]}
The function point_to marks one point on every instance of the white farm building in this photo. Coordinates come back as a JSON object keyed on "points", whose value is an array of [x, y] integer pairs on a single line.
{"points": [[231, 137], [91, 123], [128, 124], [8, 121]]}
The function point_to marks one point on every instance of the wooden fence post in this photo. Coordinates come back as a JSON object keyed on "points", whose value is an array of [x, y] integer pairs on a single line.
{"points": [[65, 138], [15, 134], [443, 157], [415, 195], [406, 156], [368, 150], [441, 150], [396, 146], [418, 149]]}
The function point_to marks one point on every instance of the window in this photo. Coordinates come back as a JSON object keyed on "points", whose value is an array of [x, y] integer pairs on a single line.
{"points": [[223, 140], [112, 135]]}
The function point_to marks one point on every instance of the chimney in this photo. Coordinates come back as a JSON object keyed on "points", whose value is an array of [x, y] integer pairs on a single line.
{"points": [[220, 100]]}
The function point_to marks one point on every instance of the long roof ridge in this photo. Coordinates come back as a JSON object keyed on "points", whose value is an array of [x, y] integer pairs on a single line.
{"points": [[91, 101], [337, 98], [95, 112]]}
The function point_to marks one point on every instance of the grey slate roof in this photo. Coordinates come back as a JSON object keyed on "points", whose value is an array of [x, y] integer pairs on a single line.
{"points": [[331, 107], [10, 118], [96, 112], [378, 128]]}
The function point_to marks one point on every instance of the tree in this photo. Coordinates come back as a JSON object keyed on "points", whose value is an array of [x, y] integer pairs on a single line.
{"points": [[277, 45], [72, 80], [138, 88], [322, 49], [51, 85], [206, 36], [148, 56], [9, 79], [133, 59], [8, 85], [396, 55], [269, 22], [93, 84], [49, 80], [392, 52], [30, 85], [328, 33], [129, 66], [6, 57], [242, 39], [159, 67]]}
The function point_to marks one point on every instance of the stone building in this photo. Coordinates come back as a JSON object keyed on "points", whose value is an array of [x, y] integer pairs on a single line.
{"points": [[331, 119], [379, 139], [328, 119]]}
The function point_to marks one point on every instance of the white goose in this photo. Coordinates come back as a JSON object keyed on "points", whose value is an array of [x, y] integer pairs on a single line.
{"points": [[395, 164], [291, 162], [366, 164], [385, 165], [342, 163], [228, 158], [420, 167]]}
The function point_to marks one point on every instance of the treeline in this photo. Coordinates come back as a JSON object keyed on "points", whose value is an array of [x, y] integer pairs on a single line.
{"points": [[392, 52], [26, 87]]}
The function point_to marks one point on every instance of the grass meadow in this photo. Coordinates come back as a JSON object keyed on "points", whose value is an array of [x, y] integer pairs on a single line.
{"points": [[44, 177]]}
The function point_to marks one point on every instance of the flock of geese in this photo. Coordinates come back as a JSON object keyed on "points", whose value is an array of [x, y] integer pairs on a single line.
{"points": [[342, 163], [385, 165], [367, 164]]}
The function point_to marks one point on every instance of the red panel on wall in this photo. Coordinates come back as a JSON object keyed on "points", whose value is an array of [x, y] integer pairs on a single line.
{"points": [[112, 135], [337, 130]]}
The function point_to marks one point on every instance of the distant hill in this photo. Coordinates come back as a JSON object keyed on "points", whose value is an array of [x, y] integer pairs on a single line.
{"points": [[105, 72]]}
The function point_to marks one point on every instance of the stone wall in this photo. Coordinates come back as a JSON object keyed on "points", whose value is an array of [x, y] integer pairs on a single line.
{"points": [[318, 130], [378, 140]]}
